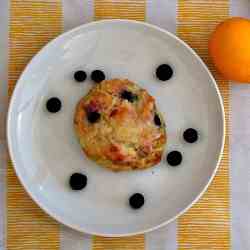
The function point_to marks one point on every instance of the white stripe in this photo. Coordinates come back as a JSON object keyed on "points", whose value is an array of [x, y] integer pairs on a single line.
{"points": [[72, 240], [163, 14], [240, 8], [3, 65], [240, 171], [163, 238], [77, 12], [4, 14], [239, 148], [3, 161]]}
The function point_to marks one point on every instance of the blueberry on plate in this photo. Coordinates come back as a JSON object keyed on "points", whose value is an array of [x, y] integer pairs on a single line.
{"points": [[127, 95], [174, 158], [80, 76], [190, 135], [136, 201], [97, 76], [78, 181], [93, 116], [53, 104], [164, 72]]}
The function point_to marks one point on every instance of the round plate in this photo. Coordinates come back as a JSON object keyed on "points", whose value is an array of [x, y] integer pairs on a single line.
{"points": [[45, 150]]}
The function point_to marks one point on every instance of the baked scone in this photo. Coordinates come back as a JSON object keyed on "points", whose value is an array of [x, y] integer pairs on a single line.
{"points": [[119, 126]]}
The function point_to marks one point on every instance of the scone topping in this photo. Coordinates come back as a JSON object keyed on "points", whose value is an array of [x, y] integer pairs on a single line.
{"points": [[93, 116], [157, 120], [127, 95]]}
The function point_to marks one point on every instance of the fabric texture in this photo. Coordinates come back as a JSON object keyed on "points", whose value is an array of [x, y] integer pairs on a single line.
{"points": [[32, 25], [207, 225]]}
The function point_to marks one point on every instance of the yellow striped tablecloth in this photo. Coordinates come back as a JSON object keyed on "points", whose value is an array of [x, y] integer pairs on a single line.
{"points": [[35, 22]]}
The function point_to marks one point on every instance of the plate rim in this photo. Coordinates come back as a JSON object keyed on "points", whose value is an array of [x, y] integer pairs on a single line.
{"points": [[19, 86]]}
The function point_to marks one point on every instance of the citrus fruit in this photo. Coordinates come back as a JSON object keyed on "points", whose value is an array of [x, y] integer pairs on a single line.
{"points": [[229, 47]]}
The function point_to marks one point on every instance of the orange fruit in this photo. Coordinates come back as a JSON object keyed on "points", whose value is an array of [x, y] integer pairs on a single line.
{"points": [[229, 47]]}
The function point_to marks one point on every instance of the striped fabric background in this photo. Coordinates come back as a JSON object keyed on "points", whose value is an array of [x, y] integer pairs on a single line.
{"points": [[207, 225], [32, 24], [211, 214]]}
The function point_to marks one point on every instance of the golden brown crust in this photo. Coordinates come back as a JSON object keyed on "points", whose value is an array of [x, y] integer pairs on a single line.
{"points": [[125, 137]]}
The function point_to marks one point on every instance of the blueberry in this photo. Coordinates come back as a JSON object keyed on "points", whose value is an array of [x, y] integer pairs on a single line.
{"points": [[53, 104], [80, 76], [127, 95], [97, 76], [93, 116], [174, 158], [78, 181], [164, 72], [157, 120], [136, 201], [190, 135]]}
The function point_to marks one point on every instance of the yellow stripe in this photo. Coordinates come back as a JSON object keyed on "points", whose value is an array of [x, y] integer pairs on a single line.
{"points": [[32, 25], [121, 9], [207, 224], [124, 243]]}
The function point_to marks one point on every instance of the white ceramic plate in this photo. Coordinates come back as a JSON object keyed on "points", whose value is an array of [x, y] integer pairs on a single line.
{"points": [[46, 152]]}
